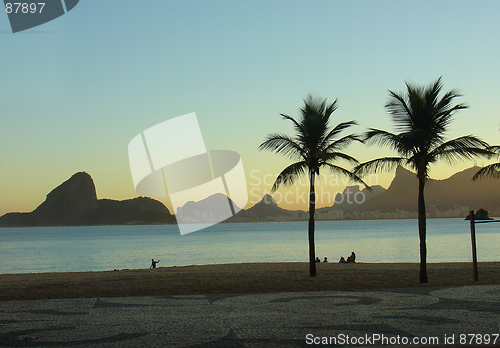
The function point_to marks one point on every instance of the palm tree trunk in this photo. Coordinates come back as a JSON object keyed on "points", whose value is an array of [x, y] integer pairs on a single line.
{"points": [[312, 206], [422, 230]]}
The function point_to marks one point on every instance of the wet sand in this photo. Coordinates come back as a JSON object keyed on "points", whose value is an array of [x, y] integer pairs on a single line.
{"points": [[239, 278]]}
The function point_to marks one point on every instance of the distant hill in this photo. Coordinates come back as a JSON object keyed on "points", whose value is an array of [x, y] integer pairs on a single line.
{"points": [[216, 207], [74, 203], [267, 210], [352, 196], [451, 197], [452, 193], [139, 210]]}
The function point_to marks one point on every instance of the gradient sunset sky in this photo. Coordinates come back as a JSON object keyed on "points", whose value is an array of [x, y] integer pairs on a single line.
{"points": [[75, 91]]}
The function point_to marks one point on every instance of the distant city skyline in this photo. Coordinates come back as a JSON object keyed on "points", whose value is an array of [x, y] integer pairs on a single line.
{"points": [[75, 91]]}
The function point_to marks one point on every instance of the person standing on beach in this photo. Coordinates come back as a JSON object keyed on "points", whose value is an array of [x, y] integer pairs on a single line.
{"points": [[153, 263], [352, 258]]}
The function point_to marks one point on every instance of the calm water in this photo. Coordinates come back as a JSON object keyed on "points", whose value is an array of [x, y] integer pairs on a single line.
{"points": [[61, 249]]}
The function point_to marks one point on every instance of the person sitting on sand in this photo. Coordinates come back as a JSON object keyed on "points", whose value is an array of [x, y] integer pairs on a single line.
{"points": [[317, 259], [342, 260], [153, 263], [352, 258], [325, 260]]}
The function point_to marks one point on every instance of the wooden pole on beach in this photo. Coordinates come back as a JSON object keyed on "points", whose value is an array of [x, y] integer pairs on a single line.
{"points": [[473, 241]]}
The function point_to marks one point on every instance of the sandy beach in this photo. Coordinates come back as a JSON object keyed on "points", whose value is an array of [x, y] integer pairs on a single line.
{"points": [[238, 278]]}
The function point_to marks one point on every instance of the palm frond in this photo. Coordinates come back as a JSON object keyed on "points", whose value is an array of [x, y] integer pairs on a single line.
{"points": [[341, 143], [453, 156], [466, 147], [400, 111], [443, 108], [383, 164], [463, 142], [314, 143], [282, 144], [319, 106], [315, 118], [399, 142], [445, 116], [421, 118], [326, 157], [298, 127], [336, 130], [290, 174], [352, 176], [490, 171], [495, 150]]}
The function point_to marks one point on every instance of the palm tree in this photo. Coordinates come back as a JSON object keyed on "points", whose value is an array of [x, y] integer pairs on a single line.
{"points": [[314, 146], [421, 119]]}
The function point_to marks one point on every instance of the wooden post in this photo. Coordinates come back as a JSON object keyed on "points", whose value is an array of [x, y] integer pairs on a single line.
{"points": [[473, 241]]}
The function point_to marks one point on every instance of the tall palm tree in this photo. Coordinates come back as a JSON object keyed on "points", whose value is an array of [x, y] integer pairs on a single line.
{"points": [[421, 119], [314, 146]]}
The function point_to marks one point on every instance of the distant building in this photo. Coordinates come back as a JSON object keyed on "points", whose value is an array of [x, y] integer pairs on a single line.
{"points": [[331, 214]]}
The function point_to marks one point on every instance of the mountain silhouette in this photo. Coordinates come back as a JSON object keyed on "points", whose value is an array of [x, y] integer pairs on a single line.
{"points": [[74, 203], [452, 193], [352, 196], [64, 206], [215, 207], [139, 210], [267, 210]]}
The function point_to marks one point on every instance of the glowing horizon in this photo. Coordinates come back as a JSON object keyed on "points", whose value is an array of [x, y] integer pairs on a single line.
{"points": [[92, 88], [290, 198]]}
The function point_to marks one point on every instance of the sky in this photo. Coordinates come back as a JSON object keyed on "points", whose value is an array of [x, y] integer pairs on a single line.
{"points": [[75, 91]]}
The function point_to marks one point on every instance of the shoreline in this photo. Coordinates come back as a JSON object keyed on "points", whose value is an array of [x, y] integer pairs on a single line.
{"points": [[464, 218], [244, 263], [240, 278], [247, 263]]}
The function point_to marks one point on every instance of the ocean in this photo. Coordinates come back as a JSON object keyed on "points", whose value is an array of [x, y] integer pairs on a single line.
{"points": [[99, 248]]}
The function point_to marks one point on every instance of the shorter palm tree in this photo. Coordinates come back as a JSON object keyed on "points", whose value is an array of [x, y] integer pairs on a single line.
{"points": [[421, 118], [315, 146]]}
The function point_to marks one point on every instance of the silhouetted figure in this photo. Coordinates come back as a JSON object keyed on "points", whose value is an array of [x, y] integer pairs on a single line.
{"points": [[153, 263], [352, 258], [317, 259], [342, 260], [325, 260]]}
